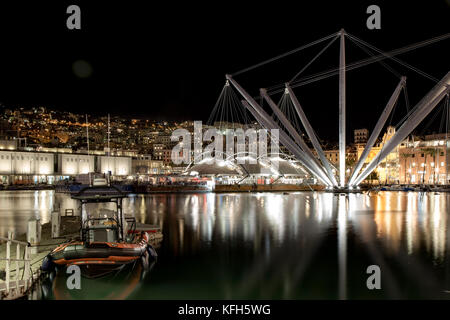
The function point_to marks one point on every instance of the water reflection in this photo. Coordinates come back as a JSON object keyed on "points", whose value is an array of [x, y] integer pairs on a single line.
{"points": [[273, 245], [17, 207]]}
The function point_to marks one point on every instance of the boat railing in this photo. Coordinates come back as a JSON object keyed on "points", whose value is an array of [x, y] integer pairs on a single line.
{"points": [[131, 230], [15, 285]]}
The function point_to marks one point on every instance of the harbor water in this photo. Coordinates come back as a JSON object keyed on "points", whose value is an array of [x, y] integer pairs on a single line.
{"points": [[299, 245]]}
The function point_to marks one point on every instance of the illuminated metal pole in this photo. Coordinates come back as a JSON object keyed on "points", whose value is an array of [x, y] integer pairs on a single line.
{"points": [[342, 111], [312, 136], [376, 131], [422, 109], [310, 156], [447, 143]]}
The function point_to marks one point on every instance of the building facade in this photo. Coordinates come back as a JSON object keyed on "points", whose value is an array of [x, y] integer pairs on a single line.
{"points": [[117, 166], [73, 164], [387, 170], [25, 167], [425, 160], [361, 136], [144, 164]]}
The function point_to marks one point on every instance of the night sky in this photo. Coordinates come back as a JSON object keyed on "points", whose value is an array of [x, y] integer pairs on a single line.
{"points": [[168, 60]]}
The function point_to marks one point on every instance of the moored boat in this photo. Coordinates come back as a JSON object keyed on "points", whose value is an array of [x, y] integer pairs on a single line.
{"points": [[107, 240]]}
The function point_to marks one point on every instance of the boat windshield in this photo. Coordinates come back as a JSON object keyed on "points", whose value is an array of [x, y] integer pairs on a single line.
{"points": [[102, 226]]}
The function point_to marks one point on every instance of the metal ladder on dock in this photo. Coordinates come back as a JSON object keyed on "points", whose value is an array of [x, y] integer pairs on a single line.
{"points": [[14, 287]]}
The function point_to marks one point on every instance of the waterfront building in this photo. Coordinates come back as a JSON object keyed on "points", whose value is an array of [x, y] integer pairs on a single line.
{"points": [[425, 160], [21, 167], [361, 136], [158, 151], [74, 164], [144, 164], [116, 166], [30, 167]]}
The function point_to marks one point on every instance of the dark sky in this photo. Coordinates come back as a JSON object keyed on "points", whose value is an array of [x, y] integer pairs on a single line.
{"points": [[167, 60]]}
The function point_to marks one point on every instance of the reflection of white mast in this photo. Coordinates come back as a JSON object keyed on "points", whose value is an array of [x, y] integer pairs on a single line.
{"points": [[87, 133], [342, 247]]}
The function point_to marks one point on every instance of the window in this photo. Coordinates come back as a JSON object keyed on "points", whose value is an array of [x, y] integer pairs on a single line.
{"points": [[2, 157]]}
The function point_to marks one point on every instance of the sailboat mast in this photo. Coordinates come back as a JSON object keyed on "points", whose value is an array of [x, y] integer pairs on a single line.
{"points": [[87, 133]]}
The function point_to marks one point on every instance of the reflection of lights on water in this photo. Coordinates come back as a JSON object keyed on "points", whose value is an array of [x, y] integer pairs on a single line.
{"points": [[275, 215], [328, 204], [342, 247], [408, 221], [194, 212], [409, 231], [318, 205], [439, 229], [307, 207], [423, 216], [352, 206], [181, 232]]}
